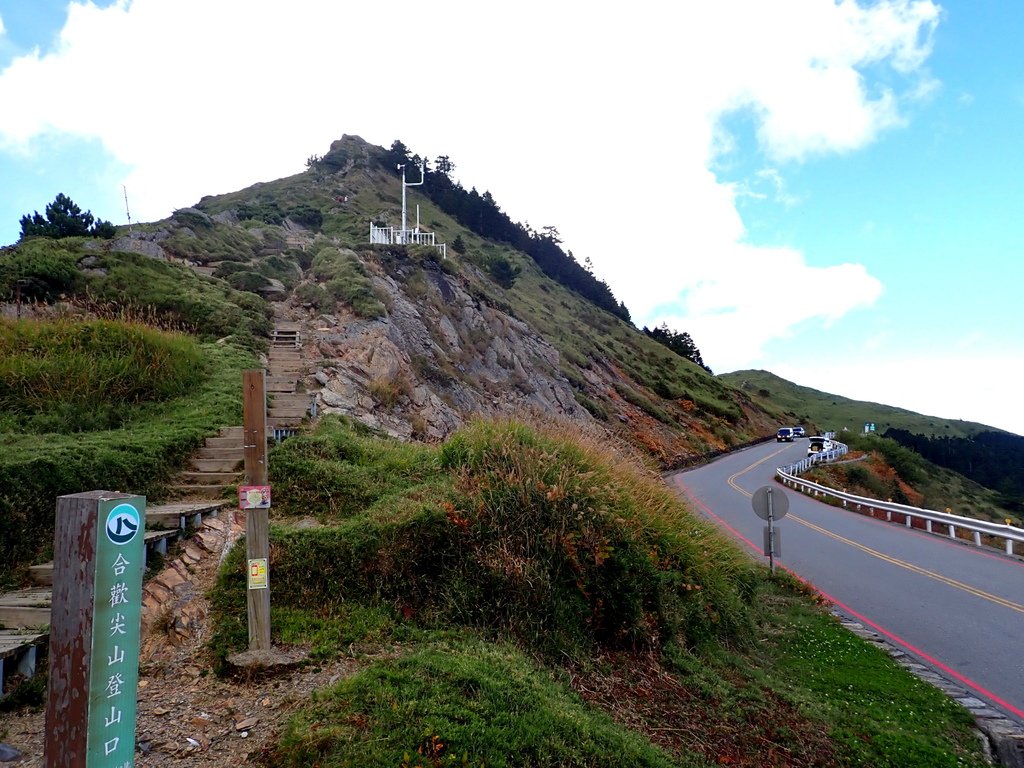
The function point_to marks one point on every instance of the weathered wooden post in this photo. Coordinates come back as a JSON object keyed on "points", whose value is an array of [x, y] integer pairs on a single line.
{"points": [[98, 562], [257, 522]]}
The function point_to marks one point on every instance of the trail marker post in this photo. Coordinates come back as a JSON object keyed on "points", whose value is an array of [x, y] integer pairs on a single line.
{"points": [[99, 556]]}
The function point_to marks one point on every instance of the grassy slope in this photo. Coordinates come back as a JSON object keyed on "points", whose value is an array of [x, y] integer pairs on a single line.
{"points": [[153, 441], [824, 411], [473, 583]]}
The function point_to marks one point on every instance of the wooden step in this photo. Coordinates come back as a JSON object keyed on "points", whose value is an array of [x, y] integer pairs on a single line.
{"points": [[25, 608], [282, 384], [291, 399], [182, 515], [232, 432], [286, 367], [19, 651], [217, 465], [285, 353], [222, 454], [183, 490], [223, 442], [208, 478], [286, 413], [275, 422]]}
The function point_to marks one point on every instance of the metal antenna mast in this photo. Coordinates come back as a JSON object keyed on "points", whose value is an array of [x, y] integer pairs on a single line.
{"points": [[405, 184], [126, 211]]}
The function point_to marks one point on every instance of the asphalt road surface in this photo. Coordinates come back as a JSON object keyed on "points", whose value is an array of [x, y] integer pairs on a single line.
{"points": [[956, 608]]}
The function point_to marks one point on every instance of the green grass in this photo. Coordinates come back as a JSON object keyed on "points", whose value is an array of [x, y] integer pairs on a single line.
{"points": [[70, 376], [513, 597], [464, 703], [503, 527], [153, 441], [880, 715]]}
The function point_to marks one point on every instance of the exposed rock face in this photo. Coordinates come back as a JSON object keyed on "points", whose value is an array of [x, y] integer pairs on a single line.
{"points": [[137, 244], [434, 361]]}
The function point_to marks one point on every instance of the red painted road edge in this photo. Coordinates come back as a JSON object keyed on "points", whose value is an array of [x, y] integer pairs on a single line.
{"points": [[860, 617]]}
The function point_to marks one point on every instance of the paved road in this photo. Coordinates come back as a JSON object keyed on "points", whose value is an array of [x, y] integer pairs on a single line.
{"points": [[957, 608]]}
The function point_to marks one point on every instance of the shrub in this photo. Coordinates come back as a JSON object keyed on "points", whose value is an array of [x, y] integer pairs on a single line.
{"points": [[346, 280], [537, 537], [40, 269]]}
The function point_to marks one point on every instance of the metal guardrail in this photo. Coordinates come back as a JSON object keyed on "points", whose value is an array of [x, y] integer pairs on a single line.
{"points": [[789, 477]]}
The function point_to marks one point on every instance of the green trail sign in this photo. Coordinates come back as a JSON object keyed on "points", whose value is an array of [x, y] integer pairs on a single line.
{"points": [[99, 558]]}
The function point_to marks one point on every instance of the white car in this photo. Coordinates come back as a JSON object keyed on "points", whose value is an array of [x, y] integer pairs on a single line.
{"points": [[819, 444]]}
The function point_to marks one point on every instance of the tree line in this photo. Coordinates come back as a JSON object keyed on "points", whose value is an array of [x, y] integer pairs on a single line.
{"points": [[481, 214], [993, 459]]}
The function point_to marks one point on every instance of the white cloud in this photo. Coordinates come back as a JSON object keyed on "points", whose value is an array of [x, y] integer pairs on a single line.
{"points": [[605, 123]]}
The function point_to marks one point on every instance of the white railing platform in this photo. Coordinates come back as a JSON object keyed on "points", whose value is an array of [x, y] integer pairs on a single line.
{"points": [[398, 236]]}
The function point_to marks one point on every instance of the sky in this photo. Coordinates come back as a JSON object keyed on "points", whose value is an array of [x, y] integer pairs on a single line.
{"points": [[827, 190]]}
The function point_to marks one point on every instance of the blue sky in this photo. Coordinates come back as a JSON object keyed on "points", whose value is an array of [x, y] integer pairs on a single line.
{"points": [[826, 190]]}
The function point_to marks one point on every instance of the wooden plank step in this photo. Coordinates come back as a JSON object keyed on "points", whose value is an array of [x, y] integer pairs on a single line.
{"points": [[19, 653], [198, 491], [13, 639], [181, 515], [287, 368], [283, 386], [217, 465], [223, 442], [232, 432], [25, 608], [208, 478], [222, 454], [275, 422], [287, 413], [41, 575]]}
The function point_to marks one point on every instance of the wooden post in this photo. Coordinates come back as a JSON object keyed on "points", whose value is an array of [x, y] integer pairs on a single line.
{"points": [[98, 560], [257, 522]]}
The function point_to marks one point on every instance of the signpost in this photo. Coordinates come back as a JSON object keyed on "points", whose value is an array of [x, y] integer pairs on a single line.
{"points": [[99, 558], [771, 504]]}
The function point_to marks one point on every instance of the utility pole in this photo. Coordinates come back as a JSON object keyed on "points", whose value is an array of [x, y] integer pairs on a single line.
{"points": [[405, 184]]}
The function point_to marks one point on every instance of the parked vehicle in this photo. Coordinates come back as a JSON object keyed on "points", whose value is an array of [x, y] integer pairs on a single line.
{"points": [[819, 444], [784, 435]]}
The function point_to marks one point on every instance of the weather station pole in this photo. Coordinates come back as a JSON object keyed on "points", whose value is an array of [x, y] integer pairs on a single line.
{"points": [[405, 184]]}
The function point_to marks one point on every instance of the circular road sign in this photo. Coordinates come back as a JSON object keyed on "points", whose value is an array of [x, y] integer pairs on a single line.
{"points": [[780, 502]]}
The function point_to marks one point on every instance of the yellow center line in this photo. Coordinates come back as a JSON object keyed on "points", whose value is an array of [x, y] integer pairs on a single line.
{"points": [[875, 553], [916, 569], [732, 478]]}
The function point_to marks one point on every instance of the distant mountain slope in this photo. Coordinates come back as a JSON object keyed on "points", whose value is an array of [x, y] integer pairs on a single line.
{"points": [[991, 457], [823, 410]]}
